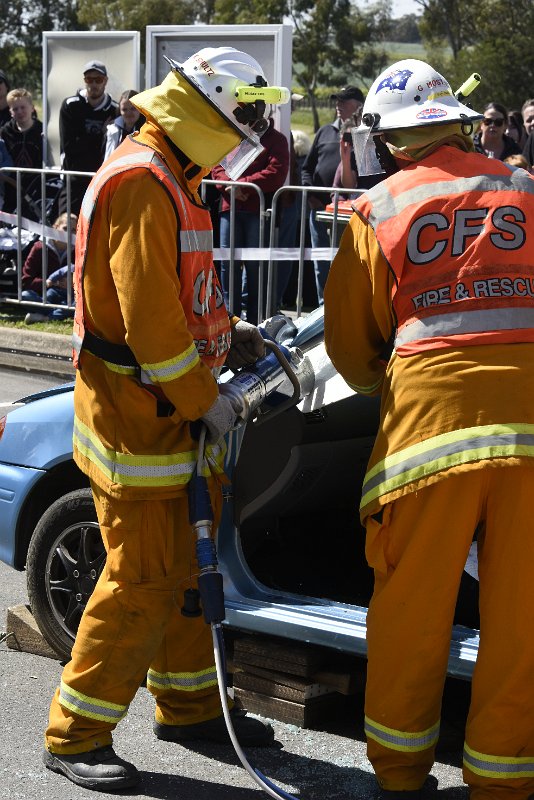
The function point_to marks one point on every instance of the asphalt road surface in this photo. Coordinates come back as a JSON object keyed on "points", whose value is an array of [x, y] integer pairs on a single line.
{"points": [[327, 764]]}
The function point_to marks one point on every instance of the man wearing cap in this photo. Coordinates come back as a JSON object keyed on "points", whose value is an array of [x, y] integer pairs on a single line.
{"points": [[319, 170], [82, 124]]}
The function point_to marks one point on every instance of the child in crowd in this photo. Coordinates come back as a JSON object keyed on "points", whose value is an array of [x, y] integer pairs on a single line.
{"points": [[57, 269], [23, 136], [128, 121]]}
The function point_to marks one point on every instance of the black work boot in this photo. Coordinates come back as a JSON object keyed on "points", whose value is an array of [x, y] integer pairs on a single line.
{"points": [[99, 769], [250, 732], [399, 794]]}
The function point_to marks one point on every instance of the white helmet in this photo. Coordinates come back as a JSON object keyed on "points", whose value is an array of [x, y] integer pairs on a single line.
{"points": [[219, 73], [411, 94], [234, 84]]}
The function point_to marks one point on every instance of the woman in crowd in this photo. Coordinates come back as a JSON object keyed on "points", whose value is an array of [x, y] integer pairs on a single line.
{"points": [[128, 121], [491, 139], [516, 129]]}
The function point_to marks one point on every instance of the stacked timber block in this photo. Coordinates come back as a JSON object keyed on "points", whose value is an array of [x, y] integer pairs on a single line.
{"points": [[299, 684], [24, 635]]}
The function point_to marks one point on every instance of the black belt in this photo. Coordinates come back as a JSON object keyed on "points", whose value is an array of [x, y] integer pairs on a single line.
{"points": [[119, 354]]}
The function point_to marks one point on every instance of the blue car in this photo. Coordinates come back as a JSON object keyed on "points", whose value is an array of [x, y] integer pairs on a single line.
{"points": [[290, 545]]}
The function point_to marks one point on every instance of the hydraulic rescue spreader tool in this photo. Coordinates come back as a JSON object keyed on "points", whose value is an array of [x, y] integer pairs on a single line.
{"points": [[256, 384]]}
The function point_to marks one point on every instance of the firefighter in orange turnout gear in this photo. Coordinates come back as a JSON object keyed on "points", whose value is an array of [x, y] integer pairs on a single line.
{"points": [[437, 259], [151, 334]]}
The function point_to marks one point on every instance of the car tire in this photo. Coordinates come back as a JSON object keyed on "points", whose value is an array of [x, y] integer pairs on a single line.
{"points": [[65, 558]]}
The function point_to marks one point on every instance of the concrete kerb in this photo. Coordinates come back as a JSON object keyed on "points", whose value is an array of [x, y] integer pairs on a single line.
{"points": [[36, 351]]}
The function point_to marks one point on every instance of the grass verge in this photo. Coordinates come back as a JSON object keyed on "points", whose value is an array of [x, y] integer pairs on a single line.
{"points": [[12, 316]]}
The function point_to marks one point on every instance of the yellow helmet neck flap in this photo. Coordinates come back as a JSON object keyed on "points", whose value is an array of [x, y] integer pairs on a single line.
{"points": [[188, 120]]}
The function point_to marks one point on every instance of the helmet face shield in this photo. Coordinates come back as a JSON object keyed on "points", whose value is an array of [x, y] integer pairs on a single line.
{"points": [[240, 158], [363, 140]]}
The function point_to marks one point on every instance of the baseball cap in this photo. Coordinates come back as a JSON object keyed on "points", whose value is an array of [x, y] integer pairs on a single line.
{"points": [[348, 93], [98, 66]]}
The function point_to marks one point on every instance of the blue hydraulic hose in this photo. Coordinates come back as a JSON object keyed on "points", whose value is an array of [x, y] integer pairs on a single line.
{"points": [[210, 585]]}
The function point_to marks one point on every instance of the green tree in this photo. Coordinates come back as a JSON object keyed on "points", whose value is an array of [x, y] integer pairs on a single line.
{"points": [[135, 15], [491, 37], [21, 27], [336, 43]]}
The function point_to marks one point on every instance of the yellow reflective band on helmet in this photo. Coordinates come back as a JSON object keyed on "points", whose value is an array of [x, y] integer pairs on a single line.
{"points": [[504, 767], [173, 368], [405, 741], [183, 681], [126, 469], [90, 707], [445, 451]]}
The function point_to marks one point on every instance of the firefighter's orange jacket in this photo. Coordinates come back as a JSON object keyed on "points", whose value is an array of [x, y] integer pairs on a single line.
{"points": [[442, 411], [132, 295]]}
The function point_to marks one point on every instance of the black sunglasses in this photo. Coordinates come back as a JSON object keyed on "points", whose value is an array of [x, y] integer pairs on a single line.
{"points": [[497, 122]]}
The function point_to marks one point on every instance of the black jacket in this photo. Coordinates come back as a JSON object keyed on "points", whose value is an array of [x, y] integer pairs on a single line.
{"points": [[82, 130], [321, 162], [511, 148]]}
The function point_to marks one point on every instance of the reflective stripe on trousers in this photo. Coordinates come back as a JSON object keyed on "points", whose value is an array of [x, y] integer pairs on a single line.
{"points": [[132, 626], [418, 551]]}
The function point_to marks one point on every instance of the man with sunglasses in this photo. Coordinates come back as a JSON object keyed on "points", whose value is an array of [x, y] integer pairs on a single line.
{"points": [[83, 118]]}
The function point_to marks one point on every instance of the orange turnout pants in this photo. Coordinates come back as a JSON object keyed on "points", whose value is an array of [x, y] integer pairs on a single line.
{"points": [[418, 552], [132, 628]]}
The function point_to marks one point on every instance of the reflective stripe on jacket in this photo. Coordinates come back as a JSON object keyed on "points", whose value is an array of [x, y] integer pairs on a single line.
{"points": [[457, 245], [201, 295], [148, 297]]}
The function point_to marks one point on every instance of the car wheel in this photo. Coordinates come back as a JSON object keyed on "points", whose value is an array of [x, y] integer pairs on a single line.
{"points": [[65, 557]]}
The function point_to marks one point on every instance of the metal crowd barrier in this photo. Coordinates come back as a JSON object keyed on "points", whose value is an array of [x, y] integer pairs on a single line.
{"points": [[18, 232]]}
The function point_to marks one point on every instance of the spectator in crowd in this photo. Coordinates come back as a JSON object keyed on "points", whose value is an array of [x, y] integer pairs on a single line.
{"points": [[128, 121], [491, 140], [527, 111], [83, 119], [516, 129], [5, 161], [302, 144], [268, 171], [346, 176], [57, 253], [5, 114], [319, 169], [518, 161], [23, 137], [288, 287]]}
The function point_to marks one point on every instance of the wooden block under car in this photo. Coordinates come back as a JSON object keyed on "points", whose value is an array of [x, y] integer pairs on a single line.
{"points": [[281, 686], [305, 715], [24, 635], [291, 658]]}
